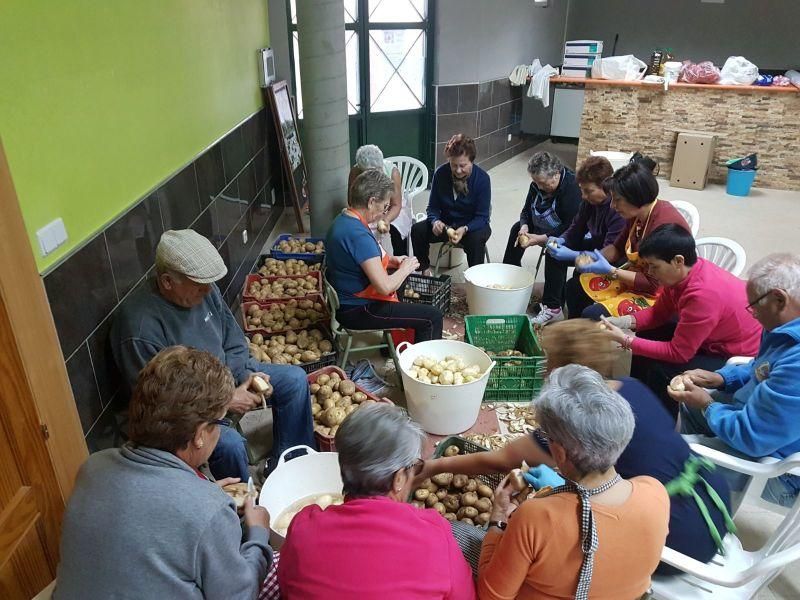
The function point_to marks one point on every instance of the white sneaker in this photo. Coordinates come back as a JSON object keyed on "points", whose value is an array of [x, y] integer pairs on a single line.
{"points": [[547, 316]]}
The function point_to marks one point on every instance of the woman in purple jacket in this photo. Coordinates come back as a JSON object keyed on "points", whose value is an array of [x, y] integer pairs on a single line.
{"points": [[594, 227]]}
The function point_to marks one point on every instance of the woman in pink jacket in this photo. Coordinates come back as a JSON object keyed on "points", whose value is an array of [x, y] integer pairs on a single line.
{"points": [[375, 546], [699, 320]]}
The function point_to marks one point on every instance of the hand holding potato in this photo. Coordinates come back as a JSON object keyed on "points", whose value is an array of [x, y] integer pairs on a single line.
{"points": [[243, 399], [409, 265], [504, 504], [706, 379], [457, 236], [692, 396], [255, 516]]}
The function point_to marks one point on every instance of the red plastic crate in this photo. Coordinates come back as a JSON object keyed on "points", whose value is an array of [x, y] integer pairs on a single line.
{"points": [[326, 442], [402, 335], [246, 297], [325, 359], [324, 321]]}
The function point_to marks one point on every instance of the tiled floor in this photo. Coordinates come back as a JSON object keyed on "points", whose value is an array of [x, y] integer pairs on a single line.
{"points": [[764, 222]]}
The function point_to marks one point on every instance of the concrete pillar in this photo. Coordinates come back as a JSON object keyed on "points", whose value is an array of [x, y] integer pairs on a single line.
{"points": [[326, 139]]}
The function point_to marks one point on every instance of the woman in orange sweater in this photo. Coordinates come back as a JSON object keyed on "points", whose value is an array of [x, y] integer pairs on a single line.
{"points": [[597, 536]]}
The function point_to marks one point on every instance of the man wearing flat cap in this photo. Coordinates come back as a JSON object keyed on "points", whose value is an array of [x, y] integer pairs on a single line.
{"points": [[182, 306]]}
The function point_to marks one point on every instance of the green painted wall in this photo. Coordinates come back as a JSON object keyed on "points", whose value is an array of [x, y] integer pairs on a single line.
{"points": [[100, 100]]}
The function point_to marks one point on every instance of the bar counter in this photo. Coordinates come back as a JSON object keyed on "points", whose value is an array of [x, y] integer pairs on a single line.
{"points": [[632, 115]]}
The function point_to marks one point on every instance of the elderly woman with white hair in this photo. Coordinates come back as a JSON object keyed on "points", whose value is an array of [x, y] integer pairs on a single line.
{"points": [[552, 203], [376, 545], [597, 535], [756, 409], [398, 216]]}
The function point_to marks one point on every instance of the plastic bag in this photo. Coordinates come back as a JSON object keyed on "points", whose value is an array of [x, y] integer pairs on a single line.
{"points": [[626, 68], [737, 70], [702, 72]]}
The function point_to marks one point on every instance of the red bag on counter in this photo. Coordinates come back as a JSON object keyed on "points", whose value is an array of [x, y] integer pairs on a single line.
{"points": [[702, 72]]}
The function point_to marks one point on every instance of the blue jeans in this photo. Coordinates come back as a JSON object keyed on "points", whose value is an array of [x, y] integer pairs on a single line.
{"points": [[781, 490], [291, 408], [229, 458]]}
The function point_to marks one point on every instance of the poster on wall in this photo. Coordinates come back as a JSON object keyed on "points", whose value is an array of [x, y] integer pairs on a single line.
{"points": [[289, 144]]}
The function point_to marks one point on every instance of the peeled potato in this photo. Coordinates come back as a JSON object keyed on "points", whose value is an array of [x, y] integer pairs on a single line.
{"points": [[583, 260], [678, 383]]}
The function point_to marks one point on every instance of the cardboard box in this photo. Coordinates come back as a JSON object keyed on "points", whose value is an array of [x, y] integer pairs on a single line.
{"points": [[693, 155]]}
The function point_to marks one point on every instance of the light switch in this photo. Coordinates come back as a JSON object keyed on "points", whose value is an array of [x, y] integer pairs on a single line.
{"points": [[51, 236]]}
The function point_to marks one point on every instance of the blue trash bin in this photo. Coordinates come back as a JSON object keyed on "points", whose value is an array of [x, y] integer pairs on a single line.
{"points": [[740, 182]]}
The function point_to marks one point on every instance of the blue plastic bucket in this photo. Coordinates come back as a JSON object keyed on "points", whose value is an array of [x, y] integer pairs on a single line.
{"points": [[740, 182]]}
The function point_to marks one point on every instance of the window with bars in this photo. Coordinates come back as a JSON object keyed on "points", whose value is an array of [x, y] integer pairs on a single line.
{"points": [[385, 54]]}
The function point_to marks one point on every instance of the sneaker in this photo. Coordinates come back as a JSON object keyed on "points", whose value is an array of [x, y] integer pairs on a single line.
{"points": [[547, 316]]}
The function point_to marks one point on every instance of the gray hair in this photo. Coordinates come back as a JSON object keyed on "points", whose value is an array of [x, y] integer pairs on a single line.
{"points": [[777, 271], [578, 410], [372, 183], [369, 157], [375, 442], [546, 164]]}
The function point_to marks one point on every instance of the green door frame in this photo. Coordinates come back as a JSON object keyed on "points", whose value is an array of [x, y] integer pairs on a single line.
{"points": [[360, 122]]}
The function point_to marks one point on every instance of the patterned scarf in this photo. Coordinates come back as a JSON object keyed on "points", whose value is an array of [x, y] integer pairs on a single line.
{"points": [[588, 530]]}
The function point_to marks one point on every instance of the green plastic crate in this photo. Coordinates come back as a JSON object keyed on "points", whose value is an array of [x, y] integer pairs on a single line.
{"points": [[515, 378]]}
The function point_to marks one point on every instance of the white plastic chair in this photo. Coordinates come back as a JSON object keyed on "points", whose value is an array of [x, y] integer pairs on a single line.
{"points": [[414, 181], [690, 213], [738, 574], [413, 175], [723, 252]]}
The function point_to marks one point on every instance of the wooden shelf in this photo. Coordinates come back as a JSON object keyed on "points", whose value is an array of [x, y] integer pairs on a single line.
{"points": [[700, 86]]}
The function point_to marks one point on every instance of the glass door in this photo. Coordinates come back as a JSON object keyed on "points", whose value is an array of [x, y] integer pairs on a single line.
{"points": [[388, 51]]}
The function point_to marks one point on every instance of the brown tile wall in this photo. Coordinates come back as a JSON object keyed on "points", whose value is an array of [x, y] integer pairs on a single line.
{"points": [[488, 112], [234, 185], [634, 118]]}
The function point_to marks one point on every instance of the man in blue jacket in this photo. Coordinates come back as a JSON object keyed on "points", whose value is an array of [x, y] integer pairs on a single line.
{"points": [[762, 418], [461, 199]]}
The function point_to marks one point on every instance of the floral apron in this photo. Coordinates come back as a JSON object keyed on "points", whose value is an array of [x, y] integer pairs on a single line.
{"points": [[611, 293]]}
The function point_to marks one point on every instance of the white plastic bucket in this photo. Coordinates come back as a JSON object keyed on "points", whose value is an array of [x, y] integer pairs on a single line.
{"points": [[295, 479], [617, 159], [444, 409], [672, 71], [484, 300]]}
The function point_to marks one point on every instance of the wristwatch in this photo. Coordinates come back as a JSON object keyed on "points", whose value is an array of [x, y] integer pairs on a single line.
{"points": [[501, 525], [613, 274]]}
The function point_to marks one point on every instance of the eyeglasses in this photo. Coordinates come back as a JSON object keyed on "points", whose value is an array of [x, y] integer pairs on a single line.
{"points": [[224, 422], [416, 467], [751, 308]]}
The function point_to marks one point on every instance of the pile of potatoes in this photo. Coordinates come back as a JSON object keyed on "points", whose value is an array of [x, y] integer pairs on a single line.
{"points": [[290, 349], [410, 292], [301, 246], [450, 371], [273, 267], [284, 287], [294, 314], [456, 497], [332, 399], [506, 354]]}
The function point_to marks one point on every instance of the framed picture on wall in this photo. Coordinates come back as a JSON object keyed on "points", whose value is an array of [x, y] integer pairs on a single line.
{"points": [[289, 144]]}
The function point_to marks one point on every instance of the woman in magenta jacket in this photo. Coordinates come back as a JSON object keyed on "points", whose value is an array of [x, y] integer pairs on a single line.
{"points": [[699, 320], [375, 546]]}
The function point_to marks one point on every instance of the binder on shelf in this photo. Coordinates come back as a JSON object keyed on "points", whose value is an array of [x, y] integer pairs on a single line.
{"points": [[577, 72], [580, 60], [583, 47]]}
